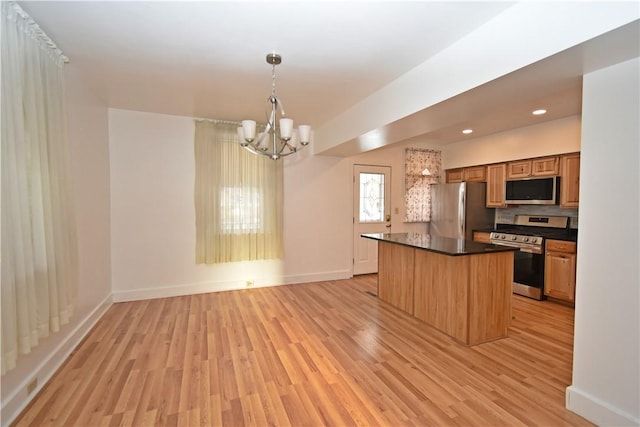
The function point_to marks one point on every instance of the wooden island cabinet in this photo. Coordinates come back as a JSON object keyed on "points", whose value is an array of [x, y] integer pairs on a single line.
{"points": [[460, 287], [395, 270]]}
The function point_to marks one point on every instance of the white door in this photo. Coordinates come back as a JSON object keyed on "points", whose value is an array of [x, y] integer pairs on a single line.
{"points": [[371, 214]]}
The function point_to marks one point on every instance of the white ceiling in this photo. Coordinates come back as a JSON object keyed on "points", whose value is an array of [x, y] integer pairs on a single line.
{"points": [[207, 59]]}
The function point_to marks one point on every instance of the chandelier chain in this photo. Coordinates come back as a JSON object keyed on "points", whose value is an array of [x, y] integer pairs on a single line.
{"points": [[273, 81]]}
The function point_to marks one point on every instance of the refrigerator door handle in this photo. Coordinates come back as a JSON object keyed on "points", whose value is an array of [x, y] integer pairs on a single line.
{"points": [[461, 212]]}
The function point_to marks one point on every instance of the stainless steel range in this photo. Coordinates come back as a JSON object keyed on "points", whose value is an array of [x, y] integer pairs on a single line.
{"points": [[528, 233]]}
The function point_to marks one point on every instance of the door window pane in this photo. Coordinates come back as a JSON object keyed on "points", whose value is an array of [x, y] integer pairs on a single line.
{"points": [[371, 197]]}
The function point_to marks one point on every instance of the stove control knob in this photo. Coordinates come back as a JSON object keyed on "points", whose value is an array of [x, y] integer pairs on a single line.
{"points": [[526, 239], [514, 237], [503, 237]]}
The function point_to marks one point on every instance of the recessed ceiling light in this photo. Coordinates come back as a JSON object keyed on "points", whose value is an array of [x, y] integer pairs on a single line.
{"points": [[539, 112], [467, 131]]}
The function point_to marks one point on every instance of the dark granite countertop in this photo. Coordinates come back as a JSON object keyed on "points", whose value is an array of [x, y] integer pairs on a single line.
{"points": [[441, 245]]}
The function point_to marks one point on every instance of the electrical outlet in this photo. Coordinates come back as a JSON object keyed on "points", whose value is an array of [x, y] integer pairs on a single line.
{"points": [[249, 283], [32, 385]]}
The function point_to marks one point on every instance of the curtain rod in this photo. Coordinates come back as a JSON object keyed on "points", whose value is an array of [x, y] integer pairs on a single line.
{"points": [[223, 122], [34, 30]]}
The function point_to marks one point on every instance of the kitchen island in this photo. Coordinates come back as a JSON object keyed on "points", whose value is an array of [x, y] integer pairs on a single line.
{"points": [[460, 287]]}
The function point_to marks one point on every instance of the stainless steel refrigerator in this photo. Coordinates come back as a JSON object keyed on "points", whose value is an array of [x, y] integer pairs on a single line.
{"points": [[459, 208]]}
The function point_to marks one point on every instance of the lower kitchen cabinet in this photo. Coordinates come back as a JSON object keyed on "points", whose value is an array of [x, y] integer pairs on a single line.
{"points": [[482, 237], [560, 270]]}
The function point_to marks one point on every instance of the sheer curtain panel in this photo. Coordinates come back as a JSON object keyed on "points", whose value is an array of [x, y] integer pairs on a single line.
{"points": [[39, 251], [238, 198]]}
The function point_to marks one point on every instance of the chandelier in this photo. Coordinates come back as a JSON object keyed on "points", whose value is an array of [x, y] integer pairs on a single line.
{"points": [[279, 138]]}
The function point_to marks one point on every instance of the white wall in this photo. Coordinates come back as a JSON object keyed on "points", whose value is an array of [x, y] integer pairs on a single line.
{"points": [[548, 138], [90, 172], [606, 374], [153, 216]]}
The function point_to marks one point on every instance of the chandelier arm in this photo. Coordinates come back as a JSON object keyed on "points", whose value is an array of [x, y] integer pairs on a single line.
{"points": [[258, 142], [250, 148], [279, 103], [290, 147], [268, 126], [286, 154], [272, 119]]}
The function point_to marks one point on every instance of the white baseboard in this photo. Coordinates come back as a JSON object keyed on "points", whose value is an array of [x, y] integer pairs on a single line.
{"points": [[205, 287], [597, 411], [19, 399]]}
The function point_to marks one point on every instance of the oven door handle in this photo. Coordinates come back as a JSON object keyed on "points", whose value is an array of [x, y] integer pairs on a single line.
{"points": [[531, 251], [522, 248]]}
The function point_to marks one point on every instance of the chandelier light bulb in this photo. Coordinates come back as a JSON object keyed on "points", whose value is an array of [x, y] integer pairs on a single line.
{"points": [[249, 129], [305, 134], [286, 128], [295, 138]]}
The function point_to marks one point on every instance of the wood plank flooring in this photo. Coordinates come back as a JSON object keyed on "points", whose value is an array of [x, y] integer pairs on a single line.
{"points": [[325, 353]]}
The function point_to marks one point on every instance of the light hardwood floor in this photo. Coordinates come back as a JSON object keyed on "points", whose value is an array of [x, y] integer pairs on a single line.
{"points": [[325, 353]]}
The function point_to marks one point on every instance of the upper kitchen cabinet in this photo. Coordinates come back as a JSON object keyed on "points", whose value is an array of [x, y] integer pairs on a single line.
{"points": [[470, 174], [544, 166], [519, 169], [496, 176], [570, 180], [455, 175], [547, 166], [475, 174]]}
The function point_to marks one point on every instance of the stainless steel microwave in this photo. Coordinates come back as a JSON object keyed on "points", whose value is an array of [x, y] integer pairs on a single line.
{"points": [[532, 191]]}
